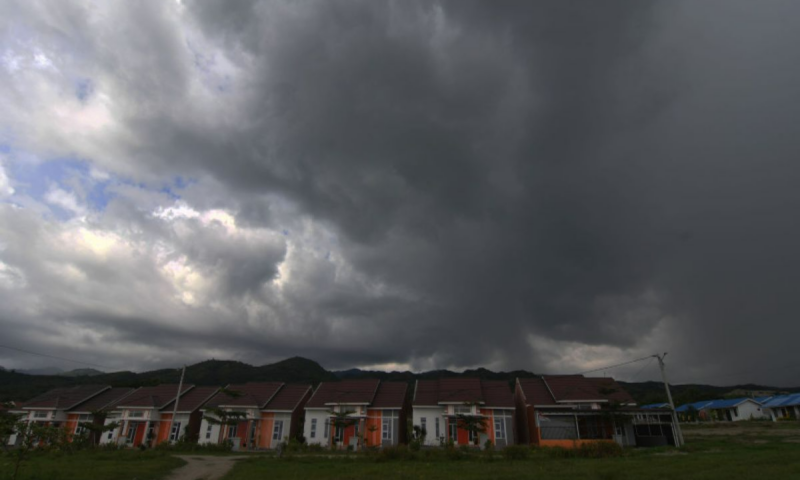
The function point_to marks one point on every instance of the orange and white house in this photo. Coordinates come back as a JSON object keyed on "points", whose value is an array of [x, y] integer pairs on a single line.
{"points": [[139, 415], [441, 405], [51, 408], [357, 413], [94, 411], [269, 414]]}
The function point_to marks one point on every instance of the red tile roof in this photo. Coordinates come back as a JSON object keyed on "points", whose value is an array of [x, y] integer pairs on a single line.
{"points": [[496, 393], [152, 397], [192, 400], [103, 401], [488, 393], [65, 398], [289, 397], [535, 391], [346, 391], [611, 390], [252, 395], [572, 388], [550, 389], [391, 395]]}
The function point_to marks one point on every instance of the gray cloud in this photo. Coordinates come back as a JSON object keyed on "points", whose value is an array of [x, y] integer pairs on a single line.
{"points": [[518, 185]]}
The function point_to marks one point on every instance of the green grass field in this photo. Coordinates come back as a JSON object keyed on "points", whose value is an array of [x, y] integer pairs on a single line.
{"points": [[730, 452], [99, 465]]}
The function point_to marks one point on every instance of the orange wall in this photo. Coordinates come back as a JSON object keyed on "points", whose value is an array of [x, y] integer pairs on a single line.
{"points": [[265, 432], [570, 443], [71, 424], [162, 434], [373, 420]]}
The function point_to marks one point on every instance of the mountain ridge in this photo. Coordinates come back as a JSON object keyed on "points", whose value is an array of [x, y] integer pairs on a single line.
{"points": [[19, 386]]}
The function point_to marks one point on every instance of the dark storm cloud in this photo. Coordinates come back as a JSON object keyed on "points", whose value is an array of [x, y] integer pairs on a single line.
{"points": [[540, 185]]}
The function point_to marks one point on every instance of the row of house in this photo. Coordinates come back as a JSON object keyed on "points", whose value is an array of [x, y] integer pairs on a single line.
{"points": [[566, 411], [738, 409]]}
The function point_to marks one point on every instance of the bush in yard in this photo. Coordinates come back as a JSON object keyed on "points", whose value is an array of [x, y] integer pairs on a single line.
{"points": [[600, 450], [414, 445], [516, 452], [397, 452]]}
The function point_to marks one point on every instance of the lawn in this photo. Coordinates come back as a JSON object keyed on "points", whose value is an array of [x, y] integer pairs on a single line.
{"points": [[744, 452], [99, 465], [747, 450]]}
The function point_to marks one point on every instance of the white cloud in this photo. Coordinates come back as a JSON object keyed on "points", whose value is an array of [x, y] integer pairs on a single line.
{"points": [[66, 200], [6, 190]]}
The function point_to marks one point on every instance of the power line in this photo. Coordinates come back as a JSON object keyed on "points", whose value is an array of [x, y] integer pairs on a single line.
{"points": [[636, 377], [55, 357], [614, 366]]}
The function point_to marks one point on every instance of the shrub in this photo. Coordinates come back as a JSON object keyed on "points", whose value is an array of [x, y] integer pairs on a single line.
{"points": [[516, 452], [414, 445], [398, 452], [600, 450]]}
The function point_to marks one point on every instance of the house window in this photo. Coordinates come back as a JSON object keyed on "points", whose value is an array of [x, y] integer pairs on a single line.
{"points": [[132, 431], [80, 429], [499, 429], [423, 423], [232, 430], [208, 431], [386, 428], [348, 409], [462, 409], [41, 414], [277, 430], [453, 426], [472, 436], [174, 431], [313, 428], [136, 414], [436, 426], [110, 434], [338, 433]]}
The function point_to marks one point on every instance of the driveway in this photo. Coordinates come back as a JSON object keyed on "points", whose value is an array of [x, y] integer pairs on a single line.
{"points": [[203, 467]]}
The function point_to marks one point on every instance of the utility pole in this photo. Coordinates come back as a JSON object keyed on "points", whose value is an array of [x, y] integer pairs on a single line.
{"points": [[178, 396], [677, 425]]}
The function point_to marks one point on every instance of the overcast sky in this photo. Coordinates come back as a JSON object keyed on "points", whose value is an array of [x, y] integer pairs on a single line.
{"points": [[549, 186]]}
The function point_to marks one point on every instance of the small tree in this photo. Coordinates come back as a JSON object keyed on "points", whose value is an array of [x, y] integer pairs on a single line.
{"points": [[96, 430], [474, 424], [225, 418], [342, 420], [30, 435]]}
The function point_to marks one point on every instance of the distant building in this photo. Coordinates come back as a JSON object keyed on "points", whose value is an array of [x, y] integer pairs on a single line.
{"points": [[783, 407], [441, 406], [269, 413], [357, 413], [722, 410]]}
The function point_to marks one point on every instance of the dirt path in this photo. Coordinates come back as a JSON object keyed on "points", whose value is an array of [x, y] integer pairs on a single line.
{"points": [[203, 467]]}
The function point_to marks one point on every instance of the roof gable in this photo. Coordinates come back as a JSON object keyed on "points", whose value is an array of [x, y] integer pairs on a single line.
{"points": [[103, 401], [289, 397], [192, 400], [253, 394], [152, 397], [344, 392], [487, 393], [390, 395], [65, 398]]}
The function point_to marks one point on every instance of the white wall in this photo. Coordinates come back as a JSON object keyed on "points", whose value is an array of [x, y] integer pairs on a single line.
{"points": [[104, 438], [430, 414], [321, 416], [207, 435], [748, 410]]}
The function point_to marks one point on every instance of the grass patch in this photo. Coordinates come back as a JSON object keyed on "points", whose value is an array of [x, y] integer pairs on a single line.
{"points": [[720, 457], [94, 464]]}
